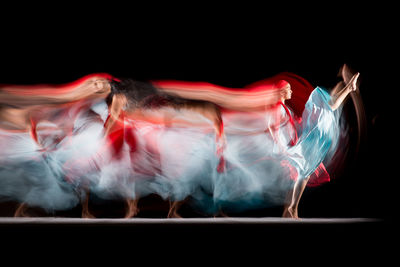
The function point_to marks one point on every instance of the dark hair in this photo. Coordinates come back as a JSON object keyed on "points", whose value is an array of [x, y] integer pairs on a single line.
{"points": [[144, 95], [136, 92]]}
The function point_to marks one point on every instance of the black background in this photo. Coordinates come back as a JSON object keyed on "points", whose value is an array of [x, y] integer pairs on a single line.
{"points": [[232, 46], [232, 50]]}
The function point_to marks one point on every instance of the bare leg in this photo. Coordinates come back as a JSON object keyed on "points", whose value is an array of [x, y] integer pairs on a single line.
{"points": [[291, 208], [132, 209], [173, 209], [339, 97], [346, 75], [85, 207], [338, 88], [21, 210]]}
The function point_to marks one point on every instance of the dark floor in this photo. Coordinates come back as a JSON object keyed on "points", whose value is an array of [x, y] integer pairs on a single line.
{"points": [[201, 236]]}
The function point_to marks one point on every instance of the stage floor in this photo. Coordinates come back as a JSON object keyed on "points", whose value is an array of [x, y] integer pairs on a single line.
{"points": [[209, 221]]}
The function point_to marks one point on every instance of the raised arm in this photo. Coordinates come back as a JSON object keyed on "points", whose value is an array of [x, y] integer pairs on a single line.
{"points": [[231, 98]]}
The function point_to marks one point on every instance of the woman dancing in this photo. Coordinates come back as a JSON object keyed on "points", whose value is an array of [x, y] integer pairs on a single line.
{"points": [[137, 105], [319, 132], [256, 165], [34, 120]]}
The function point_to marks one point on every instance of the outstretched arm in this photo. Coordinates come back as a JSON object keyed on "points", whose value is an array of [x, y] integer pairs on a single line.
{"points": [[231, 98], [23, 95]]}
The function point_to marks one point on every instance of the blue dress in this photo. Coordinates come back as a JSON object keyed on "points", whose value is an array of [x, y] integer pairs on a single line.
{"points": [[319, 134]]}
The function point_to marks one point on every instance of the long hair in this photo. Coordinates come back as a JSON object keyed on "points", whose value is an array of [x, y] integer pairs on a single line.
{"points": [[137, 93], [141, 94]]}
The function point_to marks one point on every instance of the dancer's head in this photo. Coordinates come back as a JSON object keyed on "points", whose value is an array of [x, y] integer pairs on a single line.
{"points": [[286, 92]]}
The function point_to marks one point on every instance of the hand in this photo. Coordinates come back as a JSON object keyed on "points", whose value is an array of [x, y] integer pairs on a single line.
{"points": [[100, 86]]}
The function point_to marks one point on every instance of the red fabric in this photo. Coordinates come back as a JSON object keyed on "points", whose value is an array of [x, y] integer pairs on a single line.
{"points": [[33, 131], [118, 135], [221, 165], [319, 177]]}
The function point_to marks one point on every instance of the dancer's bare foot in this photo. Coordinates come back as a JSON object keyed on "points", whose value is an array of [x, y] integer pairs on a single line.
{"points": [[352, 84], [339, 97], [173, 214], [132, 209], [290, 212], [85, 210], [173, 210], [21, 210], [86, 214]]}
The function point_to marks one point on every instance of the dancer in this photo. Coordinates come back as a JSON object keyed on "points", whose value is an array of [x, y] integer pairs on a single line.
{"points": [[45, 113], [258, 127], [35, 119], [316, 138], [134, 103]]}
